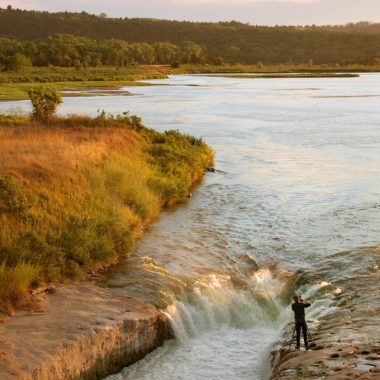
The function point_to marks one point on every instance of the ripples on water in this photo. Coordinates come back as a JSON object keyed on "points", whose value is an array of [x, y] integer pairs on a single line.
{"points": [[298, 180]]}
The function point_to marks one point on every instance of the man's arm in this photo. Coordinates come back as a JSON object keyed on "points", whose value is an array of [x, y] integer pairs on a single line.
{"points": [[305, 303]]}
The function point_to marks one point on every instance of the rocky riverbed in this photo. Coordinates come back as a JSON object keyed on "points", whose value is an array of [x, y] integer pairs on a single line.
{"points": [[86, 332], [81, 332], [346, 342]]}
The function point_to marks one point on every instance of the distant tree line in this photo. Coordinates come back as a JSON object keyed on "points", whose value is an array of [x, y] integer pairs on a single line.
{"points": [[81, 39], [72, 51]]}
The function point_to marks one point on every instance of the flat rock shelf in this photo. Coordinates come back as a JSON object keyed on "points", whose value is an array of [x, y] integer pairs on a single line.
{"points": [[346, 343], [81, 332]]}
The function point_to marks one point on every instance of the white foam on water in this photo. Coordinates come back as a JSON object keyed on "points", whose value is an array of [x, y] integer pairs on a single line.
{"points": [[221, 332], [321, 295]]}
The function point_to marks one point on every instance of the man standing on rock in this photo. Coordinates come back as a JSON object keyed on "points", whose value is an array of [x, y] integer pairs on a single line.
{"points": [[298, 307]]}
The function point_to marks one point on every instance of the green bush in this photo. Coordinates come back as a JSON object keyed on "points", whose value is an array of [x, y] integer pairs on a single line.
{"points": [[12, 198], [45, 102], [15, 281], [19, 62]]}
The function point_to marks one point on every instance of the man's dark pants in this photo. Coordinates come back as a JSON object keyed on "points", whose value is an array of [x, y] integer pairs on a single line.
{"points": [[303, 325]]}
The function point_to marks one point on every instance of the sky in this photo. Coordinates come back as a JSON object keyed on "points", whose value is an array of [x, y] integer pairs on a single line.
{"points": [[261, 12]]}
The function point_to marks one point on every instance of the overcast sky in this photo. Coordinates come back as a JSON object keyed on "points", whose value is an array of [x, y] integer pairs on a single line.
{"points": [[263, 12]]}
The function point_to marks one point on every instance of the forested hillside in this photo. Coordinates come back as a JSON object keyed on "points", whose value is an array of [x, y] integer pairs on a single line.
{"points": [[70, 39]]}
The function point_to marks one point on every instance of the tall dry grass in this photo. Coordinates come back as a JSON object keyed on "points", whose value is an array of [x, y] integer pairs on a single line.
{"points": [[76, 198]]}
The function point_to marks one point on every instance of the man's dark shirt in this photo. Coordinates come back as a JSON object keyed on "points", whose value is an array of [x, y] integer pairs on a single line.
{"points": [[299, 310]]}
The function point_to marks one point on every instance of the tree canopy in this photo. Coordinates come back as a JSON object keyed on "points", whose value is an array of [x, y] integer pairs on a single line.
{"points": [[70, 39]]}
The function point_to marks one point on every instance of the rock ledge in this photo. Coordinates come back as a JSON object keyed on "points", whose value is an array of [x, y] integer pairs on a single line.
{"points": [[82, 332]]}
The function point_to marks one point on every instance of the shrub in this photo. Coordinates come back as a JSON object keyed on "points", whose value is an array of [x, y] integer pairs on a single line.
{"points": [[45, 102], [13, 119], [19, 62], [15, 281], [12, 199]]}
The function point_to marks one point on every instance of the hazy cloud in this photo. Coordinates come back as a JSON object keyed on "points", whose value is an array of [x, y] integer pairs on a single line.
{"points": [[264, 12], [234, 2]]}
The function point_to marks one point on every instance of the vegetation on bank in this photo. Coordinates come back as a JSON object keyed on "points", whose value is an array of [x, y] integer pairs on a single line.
{"points": [[82, 40], [91, 74], [15, 85], [76, 193]]}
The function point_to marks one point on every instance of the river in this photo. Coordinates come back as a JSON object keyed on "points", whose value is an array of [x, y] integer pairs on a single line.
{"points": [[297, 181]]}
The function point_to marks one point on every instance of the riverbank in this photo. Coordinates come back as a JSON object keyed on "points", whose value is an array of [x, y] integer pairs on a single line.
{"points": [[80, 332], [346, 341], [14, 85], [76, 194]]}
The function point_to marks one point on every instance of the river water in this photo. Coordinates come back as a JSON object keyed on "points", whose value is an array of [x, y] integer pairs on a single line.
{"points": [[297, 180]]}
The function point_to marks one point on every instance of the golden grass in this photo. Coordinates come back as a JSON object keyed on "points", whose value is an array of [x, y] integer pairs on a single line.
{"points": [[16, 280], [75, 198], [27, 151]]}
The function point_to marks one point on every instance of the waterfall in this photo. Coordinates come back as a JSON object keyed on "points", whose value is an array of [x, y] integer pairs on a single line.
{"points": [[214, 302]]}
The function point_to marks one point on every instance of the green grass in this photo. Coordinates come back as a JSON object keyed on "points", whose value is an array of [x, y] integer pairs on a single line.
{"points": [[19, 91], [69, 74], [14, 85], [76, 195]]}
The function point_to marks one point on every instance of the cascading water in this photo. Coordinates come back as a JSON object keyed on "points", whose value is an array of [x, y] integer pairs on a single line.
{"points": [[215, 322], [223, 329], [214, 303]]}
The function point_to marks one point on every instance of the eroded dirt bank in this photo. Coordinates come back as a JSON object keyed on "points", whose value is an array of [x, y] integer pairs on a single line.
{"points": [[347, 340], [81, 332]]}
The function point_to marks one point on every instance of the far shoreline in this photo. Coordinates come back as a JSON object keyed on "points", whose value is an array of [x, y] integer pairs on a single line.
{"points": [[14, 85]]}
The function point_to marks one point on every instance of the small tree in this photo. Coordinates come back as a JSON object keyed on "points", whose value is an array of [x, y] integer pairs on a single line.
{"points": [[45, 102], [19, 62]]}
